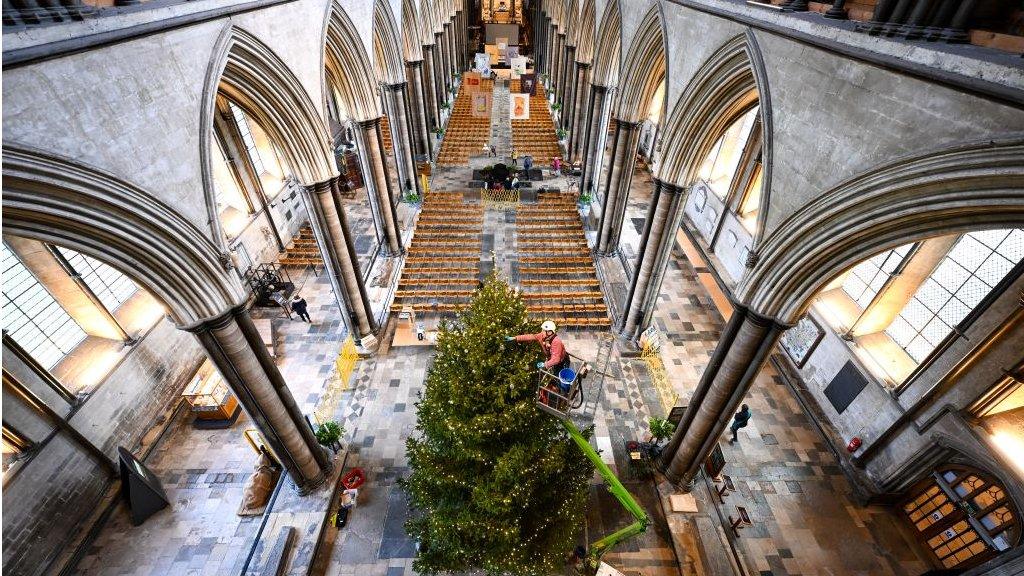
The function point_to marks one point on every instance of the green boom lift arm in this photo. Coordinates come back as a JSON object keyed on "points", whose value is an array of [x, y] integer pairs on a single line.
{"points": [[597, 549]]}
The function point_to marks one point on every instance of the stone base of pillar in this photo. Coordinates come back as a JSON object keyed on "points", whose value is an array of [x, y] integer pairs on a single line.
{"points": [[317, 482], [367, 346]]}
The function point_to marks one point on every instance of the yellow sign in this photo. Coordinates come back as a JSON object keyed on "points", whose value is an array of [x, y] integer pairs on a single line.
{"points": [[651, 355], [344, 365], [499, 199]]}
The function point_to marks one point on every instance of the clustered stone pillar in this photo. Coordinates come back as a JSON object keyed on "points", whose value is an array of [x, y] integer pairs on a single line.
{"points": [[446, 59], [595, 133], [417, 105], [430, 104], [559, 61], [549, 47], [396, 98], [382, 197], [620, 176], [663, 216], [747, 340], [337, 246], [453, 60], [577, 131], [238, 352], [568, 78], [439, 85]]}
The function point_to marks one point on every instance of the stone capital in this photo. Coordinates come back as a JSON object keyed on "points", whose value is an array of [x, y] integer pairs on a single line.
{"points": [[369, 124], [625, 124], [668, 187], [396, 87], [414, 64]]}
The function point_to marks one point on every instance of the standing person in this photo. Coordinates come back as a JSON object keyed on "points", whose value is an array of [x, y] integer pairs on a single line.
{"points": [[494, 151], [528, 163], [512, 153], [552, 345], [515, 182], [556, 165], [740, 420], [299, 307]]}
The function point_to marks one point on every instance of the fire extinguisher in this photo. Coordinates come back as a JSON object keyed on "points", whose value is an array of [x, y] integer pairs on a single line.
{"points": [[854, 444]]}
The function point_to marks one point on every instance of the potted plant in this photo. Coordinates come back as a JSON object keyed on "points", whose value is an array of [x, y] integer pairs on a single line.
{"points": [[561, 133], [584, 199], [439, 131], [556, 106], [445, 105], [661, 429], [329, 434]]}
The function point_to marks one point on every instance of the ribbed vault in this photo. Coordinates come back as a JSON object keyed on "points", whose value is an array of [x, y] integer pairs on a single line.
{"points": [[609, 47], [349, 66]]}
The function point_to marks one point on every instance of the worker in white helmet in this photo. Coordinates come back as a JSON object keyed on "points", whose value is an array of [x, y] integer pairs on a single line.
{"points": [[552, 345]]}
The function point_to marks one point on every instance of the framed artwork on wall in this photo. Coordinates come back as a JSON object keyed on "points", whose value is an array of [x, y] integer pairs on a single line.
{"points": [[800, 341]]}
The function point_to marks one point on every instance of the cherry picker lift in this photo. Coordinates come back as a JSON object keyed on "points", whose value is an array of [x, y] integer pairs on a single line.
{"points": [[562, 393]]}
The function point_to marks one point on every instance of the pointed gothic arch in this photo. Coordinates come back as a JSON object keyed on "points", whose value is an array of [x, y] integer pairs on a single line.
{"points": [[60, 201], [387, 51], [251, 75], [349, 65], [587, 31], [644, 67], [608, 50], [412, 45], [731, 81], [971, 187]]}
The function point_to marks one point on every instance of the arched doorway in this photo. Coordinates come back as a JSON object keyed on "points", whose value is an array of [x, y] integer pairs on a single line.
{"points": [[962, 516]]}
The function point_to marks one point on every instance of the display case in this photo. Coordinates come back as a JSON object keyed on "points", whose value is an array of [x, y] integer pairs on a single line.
{"points": [[210, 398]]}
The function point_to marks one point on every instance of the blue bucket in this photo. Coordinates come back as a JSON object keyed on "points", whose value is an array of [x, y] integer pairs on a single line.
{"points": [[566, 377]]}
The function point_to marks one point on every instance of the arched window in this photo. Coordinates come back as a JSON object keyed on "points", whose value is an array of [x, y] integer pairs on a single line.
{"points": [[721, 165], [962, 516]]}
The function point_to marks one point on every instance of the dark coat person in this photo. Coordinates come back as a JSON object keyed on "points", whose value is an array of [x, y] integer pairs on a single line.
{"points": [[740, 420]]}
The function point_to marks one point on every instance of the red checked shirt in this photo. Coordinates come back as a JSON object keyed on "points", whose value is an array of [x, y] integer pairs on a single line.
{"points": [[554, 349]]}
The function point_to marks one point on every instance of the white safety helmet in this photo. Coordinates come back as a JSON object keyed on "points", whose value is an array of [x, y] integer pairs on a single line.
{"points": [[548, 325]]}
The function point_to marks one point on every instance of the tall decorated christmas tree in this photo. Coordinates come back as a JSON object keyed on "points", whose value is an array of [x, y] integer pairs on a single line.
{"points": [[496, 484]]}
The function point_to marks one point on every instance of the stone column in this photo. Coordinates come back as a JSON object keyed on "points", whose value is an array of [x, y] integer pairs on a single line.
{"points": [[620, 176], [559, 65], [430, 104], [577, 131], [418, 110], [383, 197], [747, 340], [659, 235], [337, 246], [549, 52], [598, 111], [568, 76], [238, 352], [396, 98], [446, 60], [453, 55], [439, 85]]}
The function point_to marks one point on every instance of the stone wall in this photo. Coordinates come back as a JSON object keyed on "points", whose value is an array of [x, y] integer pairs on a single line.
{"points": [[47, 499]]}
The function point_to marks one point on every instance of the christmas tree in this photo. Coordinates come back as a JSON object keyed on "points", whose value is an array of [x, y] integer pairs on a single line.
{"points": [[496, 484]]}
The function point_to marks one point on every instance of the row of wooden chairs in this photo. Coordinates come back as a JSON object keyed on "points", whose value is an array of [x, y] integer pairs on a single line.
{"points": [[567, 308], [466, 134], [592, 323]]}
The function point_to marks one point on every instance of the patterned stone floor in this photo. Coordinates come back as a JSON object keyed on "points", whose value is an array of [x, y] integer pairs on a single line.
{"points": [[804, 518]]}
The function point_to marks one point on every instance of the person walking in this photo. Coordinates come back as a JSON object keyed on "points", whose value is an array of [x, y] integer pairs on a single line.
{"points": [[740, 420], [299, 307]]}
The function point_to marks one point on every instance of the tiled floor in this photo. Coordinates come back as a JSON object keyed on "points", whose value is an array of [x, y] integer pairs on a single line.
{"points": [[804, 519]]}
